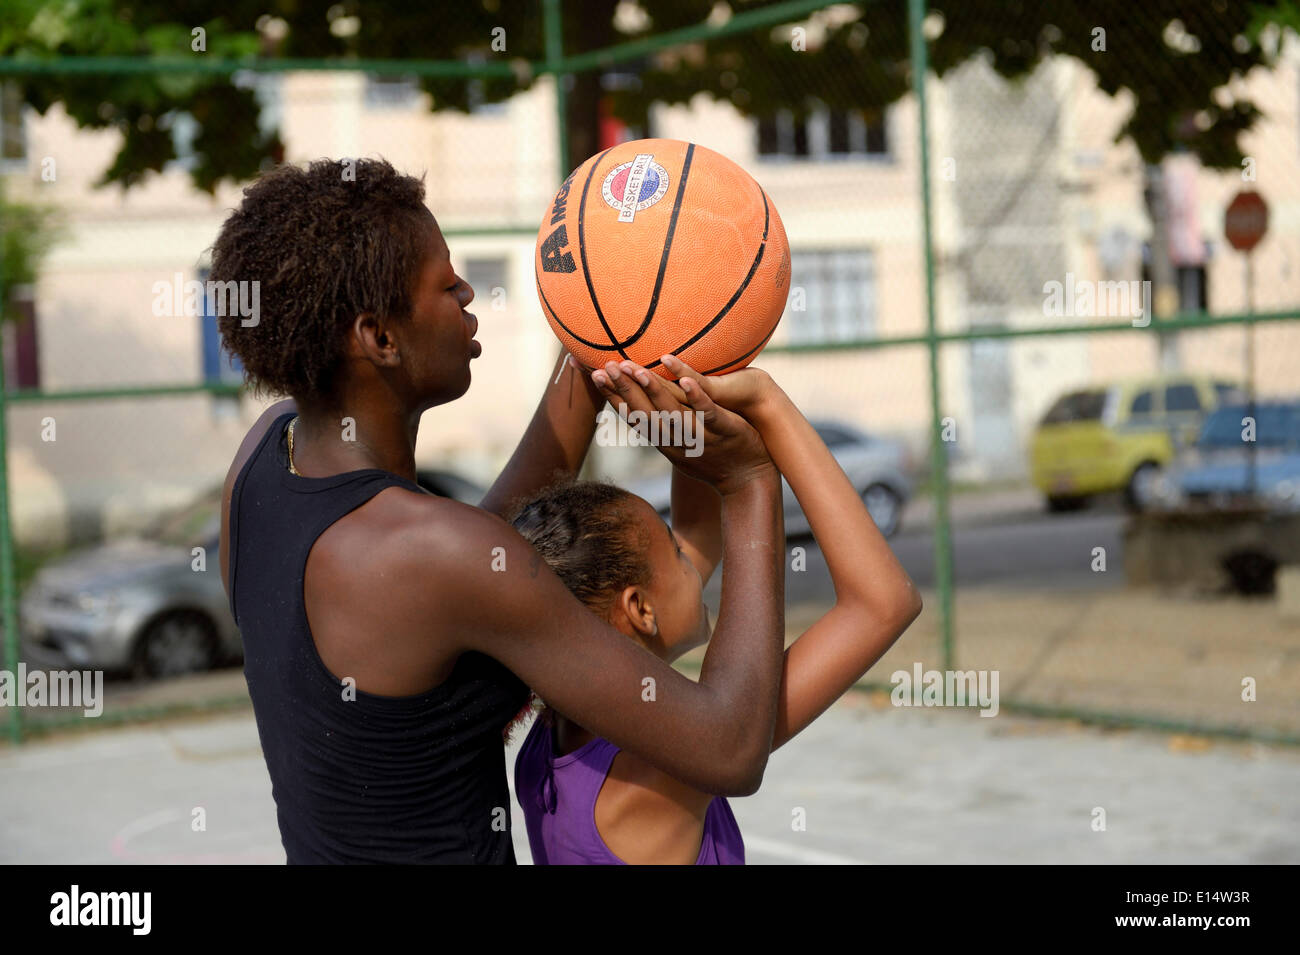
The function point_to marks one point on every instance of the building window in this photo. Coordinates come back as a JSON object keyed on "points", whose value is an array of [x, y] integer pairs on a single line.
{"points": [[837, 291], [219, 366], [21, 356], [184, 129], [13, 140], [1193, 295], [823, 134], [403, 92], [391, 92], [484, 275]]}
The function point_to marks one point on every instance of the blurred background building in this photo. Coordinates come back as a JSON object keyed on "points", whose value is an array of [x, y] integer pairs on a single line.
{"points": [[1029, 185]]}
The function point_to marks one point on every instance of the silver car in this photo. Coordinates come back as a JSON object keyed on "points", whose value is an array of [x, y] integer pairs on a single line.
{"points": [[152, 606], [876, 466]]}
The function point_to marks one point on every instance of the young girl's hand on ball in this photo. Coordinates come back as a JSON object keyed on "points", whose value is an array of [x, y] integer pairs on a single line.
{"points": [[733, 453], [740, 391]]}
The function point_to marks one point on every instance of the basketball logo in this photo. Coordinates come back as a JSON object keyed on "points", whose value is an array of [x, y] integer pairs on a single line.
{"points": [[657, 247], [633, 186]]}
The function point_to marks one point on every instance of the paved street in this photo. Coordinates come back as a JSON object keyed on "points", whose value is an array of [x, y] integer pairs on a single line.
{"points": [[1002, 539], [877, 784]]}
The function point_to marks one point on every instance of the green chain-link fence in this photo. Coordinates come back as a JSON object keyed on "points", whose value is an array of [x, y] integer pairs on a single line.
{"points": [[944, 227]]}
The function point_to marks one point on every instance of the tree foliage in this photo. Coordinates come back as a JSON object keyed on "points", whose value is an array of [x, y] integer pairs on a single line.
{"points": [[1176, 59], [27, 233]]}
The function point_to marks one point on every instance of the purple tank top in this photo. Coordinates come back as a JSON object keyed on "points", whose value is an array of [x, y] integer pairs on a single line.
{"points": [[558, 797]]}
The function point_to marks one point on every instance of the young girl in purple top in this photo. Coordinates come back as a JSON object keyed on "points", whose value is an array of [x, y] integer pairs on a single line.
{"points": [[585, 801]]}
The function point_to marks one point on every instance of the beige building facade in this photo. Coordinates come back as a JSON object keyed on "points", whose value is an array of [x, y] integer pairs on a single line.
{"points": [[1029, 188]]}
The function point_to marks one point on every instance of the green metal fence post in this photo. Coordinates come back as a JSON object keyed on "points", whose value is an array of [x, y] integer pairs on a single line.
{"points": [[938, 454], [8, 585], [553, 26], [558, 65]]}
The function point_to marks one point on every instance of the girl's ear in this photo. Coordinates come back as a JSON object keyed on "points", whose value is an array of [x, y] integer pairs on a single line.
{"points": [[633, 606]]}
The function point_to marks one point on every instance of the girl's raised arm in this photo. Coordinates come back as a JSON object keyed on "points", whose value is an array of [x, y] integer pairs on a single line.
{"points": [[715, 734], [875, 600], [556, 440]]}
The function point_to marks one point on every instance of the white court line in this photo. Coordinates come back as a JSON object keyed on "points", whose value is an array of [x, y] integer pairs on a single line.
{"points": [[797, 853]]}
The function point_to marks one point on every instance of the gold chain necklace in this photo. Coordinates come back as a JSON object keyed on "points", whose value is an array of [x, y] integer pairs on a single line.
{"points": [[292, 469]]}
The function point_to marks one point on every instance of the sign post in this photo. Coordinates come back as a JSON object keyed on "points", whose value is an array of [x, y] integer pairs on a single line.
{"points": [[1245, 222]]}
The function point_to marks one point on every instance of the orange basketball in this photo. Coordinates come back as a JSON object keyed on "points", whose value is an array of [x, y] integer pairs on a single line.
{"points": [[661, 247]]}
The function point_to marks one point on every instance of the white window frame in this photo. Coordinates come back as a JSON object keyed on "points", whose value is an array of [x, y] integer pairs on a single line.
{"points": [[831, 314]]}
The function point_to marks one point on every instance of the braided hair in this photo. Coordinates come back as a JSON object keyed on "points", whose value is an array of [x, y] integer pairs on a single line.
{"points": [[589, 535]]}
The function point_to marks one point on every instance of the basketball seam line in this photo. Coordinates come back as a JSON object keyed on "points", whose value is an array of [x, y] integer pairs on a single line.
{"points": [[601, 346], [668, 244], [734, 298], [715, 370], [757, 347], [582, 251]]}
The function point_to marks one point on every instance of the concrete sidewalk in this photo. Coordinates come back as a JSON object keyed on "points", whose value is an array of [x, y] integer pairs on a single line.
{"points": [[1158, 656], [1161, 656], [875, 784]]}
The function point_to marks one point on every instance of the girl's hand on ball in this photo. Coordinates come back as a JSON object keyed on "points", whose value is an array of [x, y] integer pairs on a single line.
{"points": [[732, 454], [739, 391]]}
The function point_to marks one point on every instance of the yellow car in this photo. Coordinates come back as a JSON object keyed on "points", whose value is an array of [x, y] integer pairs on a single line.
{"points": [[1117, 437]]}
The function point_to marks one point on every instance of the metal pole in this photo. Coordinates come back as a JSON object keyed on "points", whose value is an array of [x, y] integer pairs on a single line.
{"points": [[553, 27], [938, 453], [1251, 482], [8, 585], [1164, 290]]}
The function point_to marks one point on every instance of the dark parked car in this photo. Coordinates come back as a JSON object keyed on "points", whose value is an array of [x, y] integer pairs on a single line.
{"points": [[143, 605]]}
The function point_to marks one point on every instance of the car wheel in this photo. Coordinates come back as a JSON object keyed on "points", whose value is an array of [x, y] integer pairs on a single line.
{"points": [[1140, 493], [182, 641], [885, 507]]}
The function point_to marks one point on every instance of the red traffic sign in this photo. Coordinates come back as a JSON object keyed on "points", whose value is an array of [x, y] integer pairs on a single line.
{"points": [[1245, 221]]}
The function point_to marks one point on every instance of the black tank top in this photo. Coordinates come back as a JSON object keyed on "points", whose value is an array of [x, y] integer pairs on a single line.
{"points": [[375, 779]]}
